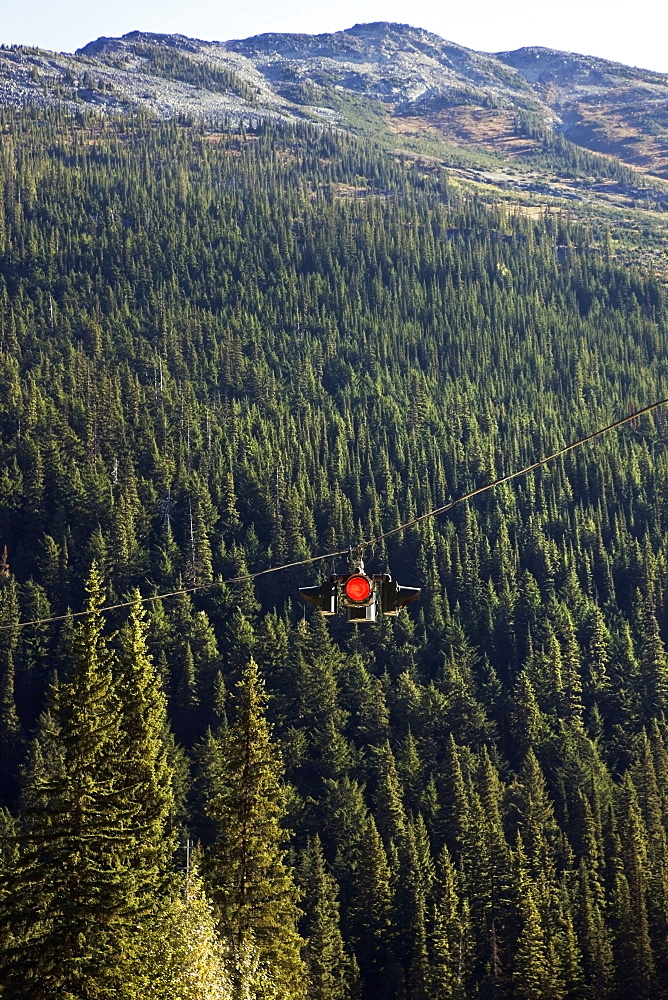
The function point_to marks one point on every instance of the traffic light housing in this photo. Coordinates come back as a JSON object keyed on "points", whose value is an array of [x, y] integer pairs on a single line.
{"points": [[324, 597], [359, 597], [394, 597], [363, 598]]}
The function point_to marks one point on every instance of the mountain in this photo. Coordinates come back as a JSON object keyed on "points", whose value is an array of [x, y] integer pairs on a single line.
{"points": [[231, 352], [392, 81], [602, 105]]}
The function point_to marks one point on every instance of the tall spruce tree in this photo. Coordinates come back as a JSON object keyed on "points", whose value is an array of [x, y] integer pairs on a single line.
{"points": [[533, 966], [250, 882], [332, 972], [144, 773], [370, 917], [653, 662], [636, 967], [72, 900], [450, 959], [10, 726], [184, 957]]}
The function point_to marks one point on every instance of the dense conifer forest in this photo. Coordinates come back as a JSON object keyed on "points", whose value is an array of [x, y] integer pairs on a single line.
{"points": [[223, 351]]}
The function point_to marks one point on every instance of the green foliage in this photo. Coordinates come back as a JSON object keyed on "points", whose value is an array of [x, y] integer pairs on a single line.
{"points": [[182, 957], [332, 974], [143, 745], [90, 834], [251, 886], [224, 350]]}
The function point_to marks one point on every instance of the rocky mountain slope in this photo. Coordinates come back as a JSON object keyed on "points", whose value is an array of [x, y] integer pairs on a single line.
{"points": [[602, 105], [380, 78]]}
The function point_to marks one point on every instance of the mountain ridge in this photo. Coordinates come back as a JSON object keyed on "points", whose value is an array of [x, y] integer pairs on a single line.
{"points": [[393, 77]]}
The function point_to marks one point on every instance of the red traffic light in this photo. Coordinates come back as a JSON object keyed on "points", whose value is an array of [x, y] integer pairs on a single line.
{"points": [[363, 598], [358, 588]]}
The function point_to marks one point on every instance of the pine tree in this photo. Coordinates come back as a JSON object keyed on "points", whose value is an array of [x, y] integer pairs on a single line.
{"points": [[565, 950], [363, 695], [571, 671], [653, 663], [526, 716], [411, 773], [415, 893], [597, 681], [345, 823], [251, 886], [370, 916], [35, 647], [497, 895], [450, 936], [318, 714], [595, 938], [10, 725], [540, 831], [644, 779], [636, 961], [240, 640], [72, 898], [144, 773], [331, 972], [184, 957], [390, 815], [186, 700], [455, 821], [533, 973]]}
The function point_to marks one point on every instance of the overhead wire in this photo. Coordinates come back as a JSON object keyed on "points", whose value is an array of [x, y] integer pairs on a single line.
{"points": [[444, 508], [521, 472], [247, 578]]}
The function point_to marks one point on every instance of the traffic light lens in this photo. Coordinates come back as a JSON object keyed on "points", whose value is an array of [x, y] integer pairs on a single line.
{"points": [[358, 588]]}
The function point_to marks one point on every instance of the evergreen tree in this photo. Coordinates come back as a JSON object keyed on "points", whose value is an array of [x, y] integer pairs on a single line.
{"points": [[370, 917], [636, 962], [331, 972], [144, 773], [251, 886], [186, 699], [72, 900], [595, 938], [184, 958], [455, 821], [653, 663], [450, 937], [415, 894], [389, 814], [533, 968], [10, 726]]}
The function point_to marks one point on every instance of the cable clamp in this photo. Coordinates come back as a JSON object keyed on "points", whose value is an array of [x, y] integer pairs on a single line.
{"points": [[356, 558]]}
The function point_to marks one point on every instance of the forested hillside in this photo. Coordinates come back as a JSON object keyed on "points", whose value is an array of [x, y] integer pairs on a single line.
{"points": [[225, 351]]}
